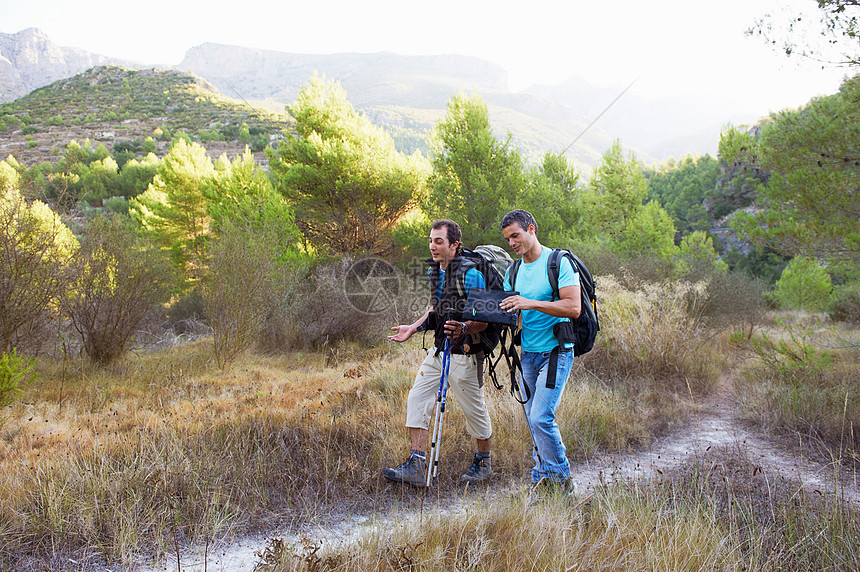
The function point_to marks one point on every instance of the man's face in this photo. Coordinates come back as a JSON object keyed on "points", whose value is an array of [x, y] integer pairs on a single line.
{"points": [[441, 250], [520, 240]]}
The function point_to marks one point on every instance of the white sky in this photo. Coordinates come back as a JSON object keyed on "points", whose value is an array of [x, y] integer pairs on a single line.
{"points": [[674, 47]]}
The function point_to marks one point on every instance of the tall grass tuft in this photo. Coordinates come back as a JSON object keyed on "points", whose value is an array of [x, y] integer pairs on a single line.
{"points": [[796, 383], [655, 333]]}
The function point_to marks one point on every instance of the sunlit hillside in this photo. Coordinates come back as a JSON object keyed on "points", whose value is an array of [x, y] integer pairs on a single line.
{"points": [[113, 104]]}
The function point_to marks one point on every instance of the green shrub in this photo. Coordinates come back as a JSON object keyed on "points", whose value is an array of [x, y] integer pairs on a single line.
{"points": [[803, 285], [118, 205], [15, 372], [35, 250], [149, 145], [846, 303], [120, 280]]}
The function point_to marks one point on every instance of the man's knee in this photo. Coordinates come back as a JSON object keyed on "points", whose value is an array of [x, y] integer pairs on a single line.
{"points": [[541, 419]]}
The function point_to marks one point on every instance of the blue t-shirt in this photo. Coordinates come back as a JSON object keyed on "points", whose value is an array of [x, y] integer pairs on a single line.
{"points": [[472, 279], [533, 283]]}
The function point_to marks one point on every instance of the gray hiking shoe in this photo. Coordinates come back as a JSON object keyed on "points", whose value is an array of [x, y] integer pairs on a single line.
{"points": [[479, 471], [412, 472]]}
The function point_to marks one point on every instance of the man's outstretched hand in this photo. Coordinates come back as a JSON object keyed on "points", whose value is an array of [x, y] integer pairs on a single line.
{"points": [[403, 333]]}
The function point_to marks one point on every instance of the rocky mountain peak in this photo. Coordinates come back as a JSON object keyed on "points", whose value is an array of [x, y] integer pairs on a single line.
{"points": [[29, 60]]}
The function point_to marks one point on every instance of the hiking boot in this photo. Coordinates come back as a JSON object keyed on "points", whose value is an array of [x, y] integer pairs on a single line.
{"points": [[412, 472], [479, 471]]}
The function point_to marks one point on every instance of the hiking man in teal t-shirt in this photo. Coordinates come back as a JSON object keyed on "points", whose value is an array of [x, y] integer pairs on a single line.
{"points": [[540, 314]]}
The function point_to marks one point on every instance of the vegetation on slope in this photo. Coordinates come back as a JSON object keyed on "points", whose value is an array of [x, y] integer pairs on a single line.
{"points": [[115, 104]]}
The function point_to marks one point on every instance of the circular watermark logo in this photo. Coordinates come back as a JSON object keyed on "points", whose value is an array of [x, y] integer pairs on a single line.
{"points": [[371, 285]]}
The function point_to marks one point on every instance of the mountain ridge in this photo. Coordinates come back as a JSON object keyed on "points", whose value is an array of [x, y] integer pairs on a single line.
{"points": [[408, 94], [30, 60]]}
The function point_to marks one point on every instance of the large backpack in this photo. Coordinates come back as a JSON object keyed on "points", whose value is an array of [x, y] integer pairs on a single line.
{"points": [[586, 326], [492, 261]]}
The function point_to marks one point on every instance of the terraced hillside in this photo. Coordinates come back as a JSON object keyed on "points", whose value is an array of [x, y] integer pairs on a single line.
{"points": [[113, 105]]}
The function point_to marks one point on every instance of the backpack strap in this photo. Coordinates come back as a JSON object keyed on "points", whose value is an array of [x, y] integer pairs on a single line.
{"points": [[553, 268], [552, 271], [512, 273], [512, 359], [463, 266]]}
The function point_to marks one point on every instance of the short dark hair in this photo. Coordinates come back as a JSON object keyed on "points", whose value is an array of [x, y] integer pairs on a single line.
{"points": [[453, 231], [520, 216]]}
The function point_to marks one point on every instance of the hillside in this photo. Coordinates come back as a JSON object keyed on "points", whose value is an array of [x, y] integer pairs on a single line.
{"points": [[29, 60], [113, 104]]}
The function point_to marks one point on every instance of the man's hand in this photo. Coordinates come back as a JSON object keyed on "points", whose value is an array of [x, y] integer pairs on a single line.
{"points": [[403, 333], [567, 306], [514, 303], [454, 328]]}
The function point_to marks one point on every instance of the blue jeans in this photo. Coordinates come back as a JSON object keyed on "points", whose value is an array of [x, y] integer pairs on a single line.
{"points": [[540, 410]]}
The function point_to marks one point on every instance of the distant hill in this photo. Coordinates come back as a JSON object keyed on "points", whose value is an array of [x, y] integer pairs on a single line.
{"points": [[425, 82], [29, 60], [660, 127], [112, 104], [408, 94]]}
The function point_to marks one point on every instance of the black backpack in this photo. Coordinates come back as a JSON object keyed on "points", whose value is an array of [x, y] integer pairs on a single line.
{"points": [[586, 326], [491, 261]]}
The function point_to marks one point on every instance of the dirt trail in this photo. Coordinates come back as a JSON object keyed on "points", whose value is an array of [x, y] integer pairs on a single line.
{"points": [[716, 425]]}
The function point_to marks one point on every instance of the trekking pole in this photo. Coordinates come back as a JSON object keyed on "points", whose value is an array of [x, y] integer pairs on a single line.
{"points": [[433, 459]]}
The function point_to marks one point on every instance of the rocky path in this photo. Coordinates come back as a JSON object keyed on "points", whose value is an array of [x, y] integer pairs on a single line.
{"points": [[716, 425]]}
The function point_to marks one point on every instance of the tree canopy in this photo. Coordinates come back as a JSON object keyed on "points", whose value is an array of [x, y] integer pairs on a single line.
{"points": [[476, 178], [810, 204], [347, 183], [832, 36], [173, 209], [684, 188]]}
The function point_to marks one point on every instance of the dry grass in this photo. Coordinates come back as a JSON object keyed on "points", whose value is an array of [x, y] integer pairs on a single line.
{"points": [[802, 379], [718, 513], [119, 459], [654, 333], [164, 448]]}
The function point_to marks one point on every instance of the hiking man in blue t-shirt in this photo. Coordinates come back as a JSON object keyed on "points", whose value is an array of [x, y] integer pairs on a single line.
{"points": [[540, 313], [446, 268]]}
